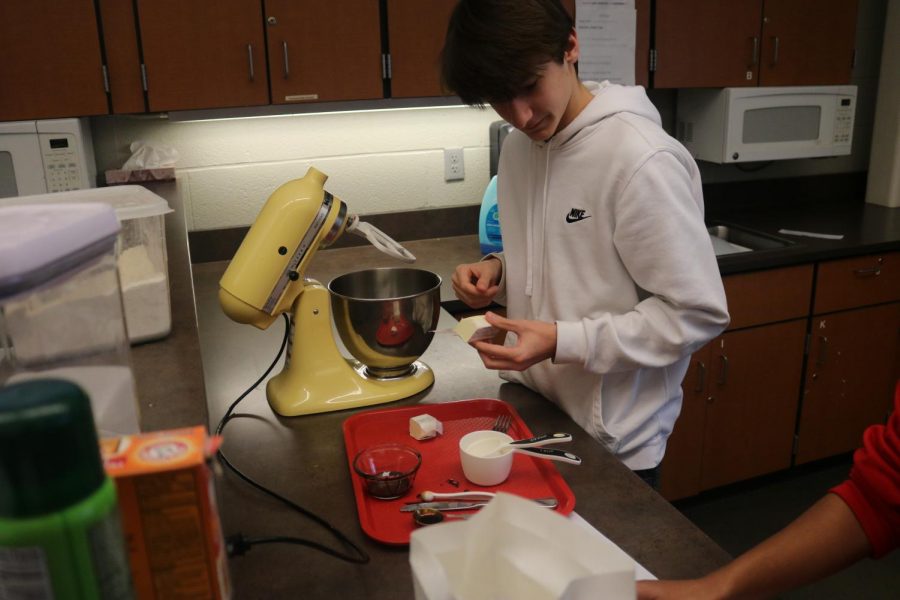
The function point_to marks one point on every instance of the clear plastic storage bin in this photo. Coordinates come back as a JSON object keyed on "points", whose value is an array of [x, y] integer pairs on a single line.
{"points": [[61, 306], [142, 261]]}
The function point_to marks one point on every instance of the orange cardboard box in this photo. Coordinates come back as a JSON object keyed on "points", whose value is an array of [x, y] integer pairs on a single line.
{"points": [[169, 516]]}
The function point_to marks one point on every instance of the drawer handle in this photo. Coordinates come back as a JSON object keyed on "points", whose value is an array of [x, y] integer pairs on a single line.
{"points": [[871, 272]]}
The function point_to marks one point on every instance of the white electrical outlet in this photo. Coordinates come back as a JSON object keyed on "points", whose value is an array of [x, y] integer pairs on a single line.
{"points": [[454, 165]]}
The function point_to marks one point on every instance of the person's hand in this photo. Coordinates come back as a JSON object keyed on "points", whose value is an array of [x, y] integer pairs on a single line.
{"points": [[536, 341], [476, 284], [691, 589]]}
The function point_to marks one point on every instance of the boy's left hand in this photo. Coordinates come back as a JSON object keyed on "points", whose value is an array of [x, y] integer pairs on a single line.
{"points": [[536, 341]]}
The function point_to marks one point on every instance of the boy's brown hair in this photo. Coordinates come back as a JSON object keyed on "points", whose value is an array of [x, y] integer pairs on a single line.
{"points": [[495, 48]]}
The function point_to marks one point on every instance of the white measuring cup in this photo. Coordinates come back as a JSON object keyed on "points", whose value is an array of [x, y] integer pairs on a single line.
{"points": [[486, 456]]}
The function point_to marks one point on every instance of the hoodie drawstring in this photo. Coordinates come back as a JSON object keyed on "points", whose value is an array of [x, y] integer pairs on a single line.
{"points": [[537, 225], [529, 225]]}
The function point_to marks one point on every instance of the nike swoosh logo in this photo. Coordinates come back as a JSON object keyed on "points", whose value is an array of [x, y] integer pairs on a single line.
{"points": [[571, 219]]}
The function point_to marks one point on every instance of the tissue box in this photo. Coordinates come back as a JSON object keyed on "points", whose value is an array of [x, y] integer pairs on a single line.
{"points": [[120, 176], [513, 548], [168, 511]]}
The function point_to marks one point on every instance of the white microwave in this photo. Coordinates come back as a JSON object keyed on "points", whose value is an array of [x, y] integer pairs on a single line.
{"points": [[37, 157], [732, 125]]}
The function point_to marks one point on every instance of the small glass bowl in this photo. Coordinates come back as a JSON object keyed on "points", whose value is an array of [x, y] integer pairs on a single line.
{"points": [[387, 470]]}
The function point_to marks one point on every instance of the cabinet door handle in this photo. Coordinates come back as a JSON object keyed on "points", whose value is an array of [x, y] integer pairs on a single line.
{"points": [[701, 376], [775, 51], [250, 59], [871, 272], [287, 65], [755, 58], [823, 350], [723, 373]]}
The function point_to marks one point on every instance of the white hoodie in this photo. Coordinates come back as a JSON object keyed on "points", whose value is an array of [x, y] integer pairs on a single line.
{"points": [[603, 233]]}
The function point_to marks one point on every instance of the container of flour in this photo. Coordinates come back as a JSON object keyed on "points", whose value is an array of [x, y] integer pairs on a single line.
{"points": [[61, 312], [140, 250], [143, 265]]}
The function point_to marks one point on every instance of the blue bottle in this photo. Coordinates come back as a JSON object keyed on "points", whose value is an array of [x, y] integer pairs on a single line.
{"points": [[489, 236]]}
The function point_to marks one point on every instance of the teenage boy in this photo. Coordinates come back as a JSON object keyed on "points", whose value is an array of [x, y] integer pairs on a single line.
{"points": [[608, 274]]}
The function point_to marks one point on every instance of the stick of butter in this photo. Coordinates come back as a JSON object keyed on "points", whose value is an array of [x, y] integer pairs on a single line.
{"points": [[423, 427], [474, 329]]}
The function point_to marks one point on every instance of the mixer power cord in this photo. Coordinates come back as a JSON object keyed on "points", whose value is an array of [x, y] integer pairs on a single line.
{"points": [[237, 544]]}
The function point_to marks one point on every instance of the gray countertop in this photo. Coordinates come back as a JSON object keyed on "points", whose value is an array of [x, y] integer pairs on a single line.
{"points": [[866, 229], [304, 457]]}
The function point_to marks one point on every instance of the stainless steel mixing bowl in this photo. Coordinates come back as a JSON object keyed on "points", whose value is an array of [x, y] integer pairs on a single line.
{"points": [[386, 317]]}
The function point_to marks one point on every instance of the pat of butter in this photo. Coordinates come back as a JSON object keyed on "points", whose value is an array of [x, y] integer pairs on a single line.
{"points": [[474, 329], [423, 427]]}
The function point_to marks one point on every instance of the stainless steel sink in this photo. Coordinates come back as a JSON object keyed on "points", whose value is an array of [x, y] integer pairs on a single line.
{"points": [[728, 239]]}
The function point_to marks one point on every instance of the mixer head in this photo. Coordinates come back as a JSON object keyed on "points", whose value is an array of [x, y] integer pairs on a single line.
{"points": [[266, 274]]}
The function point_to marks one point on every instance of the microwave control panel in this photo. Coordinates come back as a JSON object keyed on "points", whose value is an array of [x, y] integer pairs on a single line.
{"points": [[61, 162], [843, 120]]}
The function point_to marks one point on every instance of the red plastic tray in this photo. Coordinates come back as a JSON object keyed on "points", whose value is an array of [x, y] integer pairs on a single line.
{"points": [[382, 519]]}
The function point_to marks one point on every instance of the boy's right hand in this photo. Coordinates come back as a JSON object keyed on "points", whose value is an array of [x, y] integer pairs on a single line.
{"points": [[476, 284]]}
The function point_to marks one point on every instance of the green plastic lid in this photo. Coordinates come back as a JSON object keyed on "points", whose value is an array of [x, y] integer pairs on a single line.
{"points": [[49, 453]]}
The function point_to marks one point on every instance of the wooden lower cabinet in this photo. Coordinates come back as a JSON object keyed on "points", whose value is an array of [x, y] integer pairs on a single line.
{"points": [[754, 389], [745, 413], [850, 379], [739, 411], [680, 469]]}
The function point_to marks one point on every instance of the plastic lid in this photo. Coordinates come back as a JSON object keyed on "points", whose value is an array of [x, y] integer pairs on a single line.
{"points": [[49, 453], [129, 201], [40, 242]]}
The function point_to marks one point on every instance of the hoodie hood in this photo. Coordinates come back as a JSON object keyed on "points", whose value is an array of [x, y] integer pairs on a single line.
{"points": [[609, 99]]}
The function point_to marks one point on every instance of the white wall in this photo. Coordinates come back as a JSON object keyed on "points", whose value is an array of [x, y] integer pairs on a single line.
{"points": [[381, 161], [883, 185]]}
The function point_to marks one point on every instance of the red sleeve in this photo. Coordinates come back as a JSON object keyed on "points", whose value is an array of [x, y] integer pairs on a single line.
{"points": [[873, 490]]}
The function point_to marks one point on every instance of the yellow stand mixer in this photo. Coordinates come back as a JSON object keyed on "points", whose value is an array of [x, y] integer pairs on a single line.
{"points": [[385, 317]]}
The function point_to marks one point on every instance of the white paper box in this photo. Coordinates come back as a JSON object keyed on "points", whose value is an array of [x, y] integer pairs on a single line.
{"points": [[473, 329], [515, 549]]}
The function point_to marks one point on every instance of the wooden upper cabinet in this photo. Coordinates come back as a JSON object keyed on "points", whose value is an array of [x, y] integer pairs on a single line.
{"points": [[203, 53], [733, 43], [808, 42], [707, 43], [323, 51], [123, 56], [416, 37], [52, 66], [642, 44]]}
